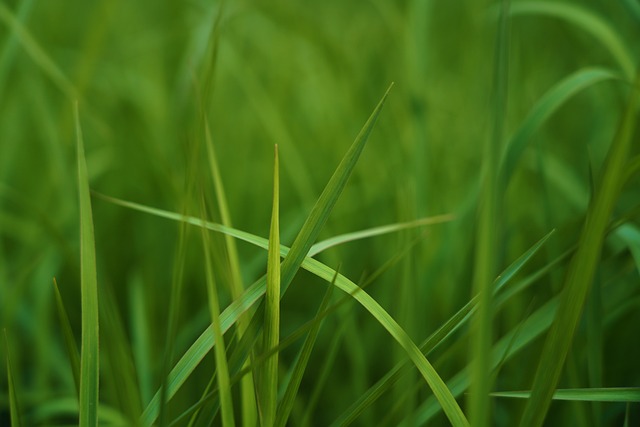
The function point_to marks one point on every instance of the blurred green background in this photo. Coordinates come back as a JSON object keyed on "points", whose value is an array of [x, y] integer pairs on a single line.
{"points": [[305, 76]]}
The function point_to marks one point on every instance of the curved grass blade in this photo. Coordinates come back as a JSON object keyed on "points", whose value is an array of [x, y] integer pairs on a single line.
{"points": [[550, 102], [614, 394], [14, 410], [582, 268], [587, 21], [69, 338], [89, 362], [272, 309]]}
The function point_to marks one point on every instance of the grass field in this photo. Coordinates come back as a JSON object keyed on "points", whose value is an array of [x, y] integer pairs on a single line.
{"points": [[376, 213]]}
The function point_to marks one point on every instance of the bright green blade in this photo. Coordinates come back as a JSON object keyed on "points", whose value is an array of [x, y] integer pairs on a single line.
{"points": [[581, 269], [587, 21], [615, 394], [269, 380], [14, 411], [89, 362], [69, 338]]}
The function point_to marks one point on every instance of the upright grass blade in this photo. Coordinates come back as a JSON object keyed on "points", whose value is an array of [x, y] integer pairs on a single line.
{"points": [[89, 362], [269, 380], [69, 338], [14, 409], [581, 269], [587, 21], [226, 400], [488, 231], [615, 394]]}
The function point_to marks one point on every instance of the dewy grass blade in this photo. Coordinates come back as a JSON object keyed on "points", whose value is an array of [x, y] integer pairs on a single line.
{"points": [[69, 338], [615, 394], [226, 400], [269, 381], [14, 409], [89, 362], [581, 269]]}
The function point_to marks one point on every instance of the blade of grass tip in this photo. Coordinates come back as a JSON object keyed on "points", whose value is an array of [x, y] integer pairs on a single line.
{"points": [[226, 400], [69, 338], [614, 394], [14, 410], [89, 362], [288, 399], [487, 229], [581, 269], [269, 380]]}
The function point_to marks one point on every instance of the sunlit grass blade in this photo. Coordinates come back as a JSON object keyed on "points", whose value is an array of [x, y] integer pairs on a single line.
{"points": [[586, 20], [615, 394], [14, 409], [288, 399], [36, 53], [222, 370], [546, 106], [69, 338], [453, 324], [269, 377], [582, 269], [89, 362]]}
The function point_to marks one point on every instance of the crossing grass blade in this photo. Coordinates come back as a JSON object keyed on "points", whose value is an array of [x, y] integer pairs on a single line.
{"points": [[614, 394], [222, 370], [69, 338], [89, 361], [269, 380], [14, 410], [587, 21], [582, 269]]}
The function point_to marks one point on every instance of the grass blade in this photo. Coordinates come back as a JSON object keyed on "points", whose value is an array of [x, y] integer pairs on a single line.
{"points": [[581, 269], [14, 410], [89, 362], [272, 309], [631, 394], [69, 338]]}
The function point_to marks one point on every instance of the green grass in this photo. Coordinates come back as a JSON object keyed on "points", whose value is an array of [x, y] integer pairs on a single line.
{"points": [[472, 258]]}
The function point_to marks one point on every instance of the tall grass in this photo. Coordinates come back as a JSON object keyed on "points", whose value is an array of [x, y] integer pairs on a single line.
{"points": [[472, 257]]}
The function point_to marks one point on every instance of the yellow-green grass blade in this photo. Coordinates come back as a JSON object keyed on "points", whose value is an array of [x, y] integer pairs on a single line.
{"points": [[89, 362], [582, 268], [613, 394], [586, 20], [288, 399], [14, 409], [544, 108], [269, 377], [453, 324], [69, 338], [222, 370], [37, 54]]}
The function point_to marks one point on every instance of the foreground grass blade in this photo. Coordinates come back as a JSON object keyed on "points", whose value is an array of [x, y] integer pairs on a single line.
{"points": [[631, 394], [222, 370], [587, 21], [269, 382], [581, 269], [89, 363], [14, 411], [69, 338]]}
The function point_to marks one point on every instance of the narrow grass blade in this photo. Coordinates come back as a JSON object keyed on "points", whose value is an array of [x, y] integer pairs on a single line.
{"points": [[69, 338], [14, 410], [587, 21], [631, 394], [37, 53], [581, 269], [550, 102], [89, 362], [286, 405], [269, 381], [222, 370]]}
